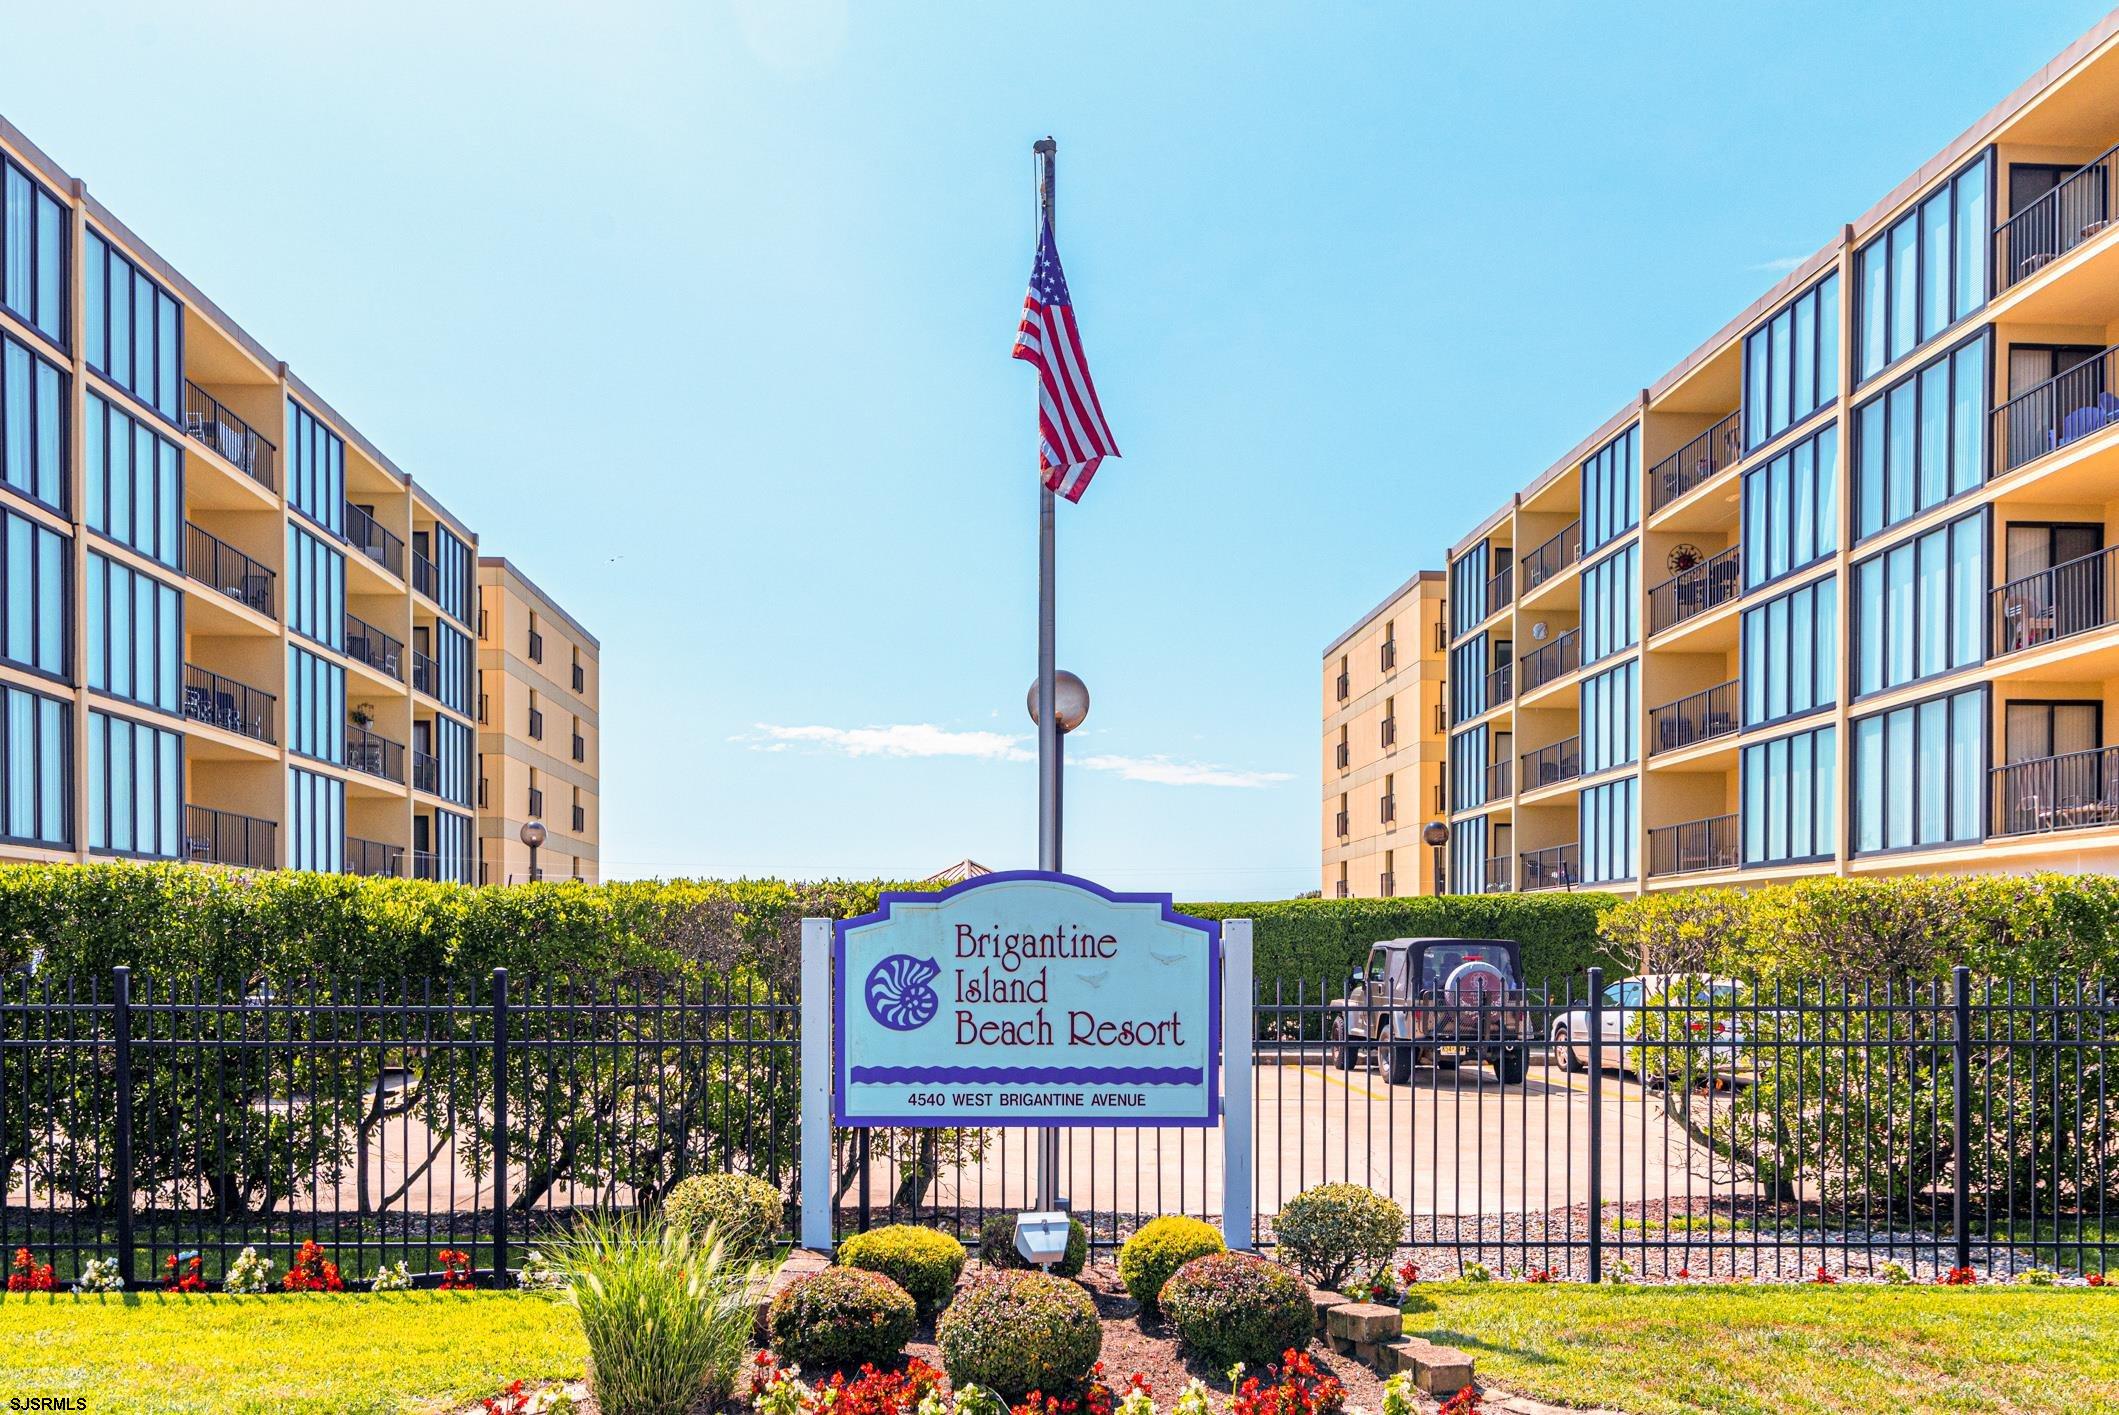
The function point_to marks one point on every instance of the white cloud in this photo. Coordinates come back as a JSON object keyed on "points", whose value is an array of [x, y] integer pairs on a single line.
{"points": [[1782, 266], [1164, 771], [902, 739]]}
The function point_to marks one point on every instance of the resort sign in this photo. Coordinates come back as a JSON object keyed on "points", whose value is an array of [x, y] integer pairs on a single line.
{"points": [[1026, 998]]}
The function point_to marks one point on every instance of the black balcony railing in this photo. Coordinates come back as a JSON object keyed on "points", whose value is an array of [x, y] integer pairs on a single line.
{"points": [[1501, 589], [1713, 451], [214, 837], [2072, 212], [372, 646], [208, 422], [1500, 684], [1693, 847], [2073, 791], [226, 704], [1697, 717], [1714, 581], [426, 674], [425, 577], [212, 561], [372, 857], [2066, 408], [1556, 659], [1500, 779], [377, 756], [426, 864], [1499, 876], [2071, 598], [371, 539], [1552, 557], [1555, 867], [426, 772], [1549, 766]]}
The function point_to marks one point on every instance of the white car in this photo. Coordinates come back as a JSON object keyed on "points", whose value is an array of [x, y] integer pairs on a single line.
{"points": [[1712, 1011]]}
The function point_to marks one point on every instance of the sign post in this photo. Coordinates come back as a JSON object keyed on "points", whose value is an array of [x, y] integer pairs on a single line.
{"points": [[816, 1084], [1237, 1191]]}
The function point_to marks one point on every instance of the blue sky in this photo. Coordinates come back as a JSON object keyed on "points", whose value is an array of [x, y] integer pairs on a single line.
{"points": [[701, 312]]}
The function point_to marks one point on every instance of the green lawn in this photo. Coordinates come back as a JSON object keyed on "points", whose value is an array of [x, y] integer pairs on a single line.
{"points": [[1781, 1350], [390, 1352]]}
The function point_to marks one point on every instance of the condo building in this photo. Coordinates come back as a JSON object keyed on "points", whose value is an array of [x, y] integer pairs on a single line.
{"points": [[537, 733], [1384, 749], [232, 630]]}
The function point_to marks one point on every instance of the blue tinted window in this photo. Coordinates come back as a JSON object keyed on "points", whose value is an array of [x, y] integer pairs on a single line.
{"points": [[135, 787], [33, 241], [135, 635], [1922, 440], [136, 334], [1611, 597], [1787, 788], [1611, 490], [1918, 774], [316, 469], [35, 561], [1609, 821], [1919, 607], [1925, 273], [1788, 662], [135, 493], [1790, 367]]}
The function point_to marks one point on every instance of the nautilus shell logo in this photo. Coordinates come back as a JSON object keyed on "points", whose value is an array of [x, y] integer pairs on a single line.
{"points": [[900, 992]]}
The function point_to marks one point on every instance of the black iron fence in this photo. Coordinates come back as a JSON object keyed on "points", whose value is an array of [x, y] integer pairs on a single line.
{"points": [[2071, 598]]}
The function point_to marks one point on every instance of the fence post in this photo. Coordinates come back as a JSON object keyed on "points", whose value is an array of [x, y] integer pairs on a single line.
{"points": [[1961, 1113], [816, 1084], [121, 1161], [1236, 1139], [1596, 1124], [500, 1127]]}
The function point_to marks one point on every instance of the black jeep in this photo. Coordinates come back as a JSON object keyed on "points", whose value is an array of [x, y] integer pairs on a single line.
{"points": [[1424, 998]]}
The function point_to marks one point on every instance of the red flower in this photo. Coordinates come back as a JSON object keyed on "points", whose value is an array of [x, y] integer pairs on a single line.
{"points": [[310, 1272], [2095, 1279], [1684, 1272], [1824, 1277], [1408, 1273], [26, 1274], [455, 1270], [512, 1401], [1957, 1277], [1464, 1402], [180, 1273], [1295, 1387], [1539, 1275]]}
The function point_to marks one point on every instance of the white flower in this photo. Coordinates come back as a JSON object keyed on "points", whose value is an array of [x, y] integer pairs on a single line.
{"points": [[99, 1275], [394, 1277], [248, 1274]]}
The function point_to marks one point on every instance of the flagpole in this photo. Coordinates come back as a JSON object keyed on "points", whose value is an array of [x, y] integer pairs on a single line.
{"points": [[1048, 727]]}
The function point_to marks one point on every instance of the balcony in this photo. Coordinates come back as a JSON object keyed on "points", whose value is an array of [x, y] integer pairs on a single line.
{"points": [[426, 674], [1549, 766], [1500, 685], [1501, 590], [1557, 659], [226, 704], [1697, 717], [1553, 557], [373, 541], [1694, 847], [215, 563], [458, 868], [1500, 779], [2074, 211], [367, 644], [377, 756], [1555, 867], [2066, 408], [1386, 660], [426, 773], [1499, 876], [372, 857], [1698, 461], [1688, 594], [224, 838], [2071, 598], [237, 441], [425, 577], [2073, 791]]}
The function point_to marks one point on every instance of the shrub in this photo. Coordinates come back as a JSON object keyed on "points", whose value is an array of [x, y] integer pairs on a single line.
{"points": [[742, 1209], [923, 1261], [666, 1320], [1015, 1332], [1160, 1248], [1337, 1229], [1230, 1307], [842, 1317], [997, 1246]]}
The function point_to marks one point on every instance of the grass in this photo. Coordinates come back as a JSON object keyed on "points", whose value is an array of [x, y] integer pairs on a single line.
{"points": [[366, 1354], [1780, 1350]]}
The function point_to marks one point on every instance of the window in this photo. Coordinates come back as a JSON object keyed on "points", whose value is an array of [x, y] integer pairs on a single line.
{"points": [[316, 816], [135, 635], [536, 647], [316, 707], [1918, 773], [1919, 607], [453, 668], [35, 565], [1467, 679], [1468, 760], [453, 854], [1928, 271], [36, 766], [1788, 787], [458, 761], [1611, 604], [581, 813], [580, 678], [135, 329], [33, 240], [135, 483], [1922, 440], [1611, 719], [135, 787], [536, 803], [1791, 363], [1611, 491], [316, 469], [33, 415], [1467, 856], [537, 725], [453, 575], [1467, 592], [1610, 821], [316, 589], [1789, 667], [1791, 509]]}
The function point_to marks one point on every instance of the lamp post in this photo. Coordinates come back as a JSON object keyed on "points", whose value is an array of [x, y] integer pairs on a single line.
{"points": [[1070, 707], [1437, 835], [533, 835], [1071, 698]]}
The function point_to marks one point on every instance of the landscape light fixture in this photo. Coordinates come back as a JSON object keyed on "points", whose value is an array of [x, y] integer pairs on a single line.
{"points": [[1072, 696], [533, 835], [1041, 1237], [1437, 835]]}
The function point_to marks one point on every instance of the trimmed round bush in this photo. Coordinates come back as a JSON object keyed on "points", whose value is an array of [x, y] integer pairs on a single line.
{"points": [[923, 1261], [1230, 1307], [997, 1246], [742, 1209], [1159, 1249], [1335, 1230], [1015, 1332], [841, 1317]]}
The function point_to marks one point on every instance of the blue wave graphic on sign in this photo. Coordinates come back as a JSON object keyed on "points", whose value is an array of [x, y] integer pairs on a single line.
{"points": [[1031, 1075]]}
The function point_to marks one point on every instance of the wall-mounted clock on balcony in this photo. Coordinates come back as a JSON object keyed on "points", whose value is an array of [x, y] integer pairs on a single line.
{"points": [[1537, 632], [1683, 556]]}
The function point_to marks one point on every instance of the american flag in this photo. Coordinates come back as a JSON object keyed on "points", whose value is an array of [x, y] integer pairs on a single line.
{"points": [[1072, 436]]}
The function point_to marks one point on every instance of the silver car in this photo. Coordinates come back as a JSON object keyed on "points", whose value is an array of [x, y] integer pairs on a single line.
{"points": [[1709, 1007]]}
